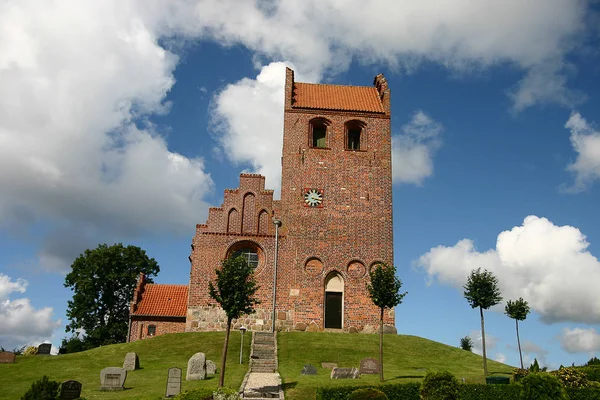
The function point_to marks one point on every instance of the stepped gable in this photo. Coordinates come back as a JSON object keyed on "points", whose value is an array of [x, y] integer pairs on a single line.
{"points": [[246, 210]]}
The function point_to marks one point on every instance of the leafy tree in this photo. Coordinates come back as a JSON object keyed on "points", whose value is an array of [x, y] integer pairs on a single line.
{"points": [[103, 281], [593, 361], [234, 291], [466, 343], [384, 291], [74, 344], [481, 290], [518, 311]]}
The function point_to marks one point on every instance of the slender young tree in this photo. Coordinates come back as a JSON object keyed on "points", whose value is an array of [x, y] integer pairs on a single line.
{"points": [[518, 311], [234, 290], [384, 291], [481, 291], [466, 343]]}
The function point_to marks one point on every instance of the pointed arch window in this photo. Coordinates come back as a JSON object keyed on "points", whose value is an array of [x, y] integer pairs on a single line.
{"points": [[318, 133], [355, 135]]}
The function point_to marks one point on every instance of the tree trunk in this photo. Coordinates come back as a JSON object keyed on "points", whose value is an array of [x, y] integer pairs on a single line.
{"points": [[519, 343], [485, 372], [381, 345], [224, 358]]}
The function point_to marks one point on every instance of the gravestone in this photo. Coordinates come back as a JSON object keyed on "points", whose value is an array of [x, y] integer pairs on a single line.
{"points": [[173, 382], [7, 357], [309, 370], [328, 365], [369, 366], [112, 378], [70, 390], [211, 367], [196, 370], [44, 348], [132, 362], [345, 373]]}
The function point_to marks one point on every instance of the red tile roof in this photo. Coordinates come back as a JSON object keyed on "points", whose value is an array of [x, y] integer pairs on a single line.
{"points": [[163, 300], [337, 97]]}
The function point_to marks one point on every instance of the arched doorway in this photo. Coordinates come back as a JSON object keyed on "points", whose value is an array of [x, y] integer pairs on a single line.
{"points": [[334, 301]]}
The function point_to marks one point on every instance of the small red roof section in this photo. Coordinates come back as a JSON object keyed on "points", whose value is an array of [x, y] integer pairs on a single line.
{"points": [[337, 97], [163, 300]]}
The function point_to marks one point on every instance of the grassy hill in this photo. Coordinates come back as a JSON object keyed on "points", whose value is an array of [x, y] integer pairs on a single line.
{"points": [[406, 359]]}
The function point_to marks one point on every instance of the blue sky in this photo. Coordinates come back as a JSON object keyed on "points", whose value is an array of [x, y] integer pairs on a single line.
{"points": [[125, 120]]}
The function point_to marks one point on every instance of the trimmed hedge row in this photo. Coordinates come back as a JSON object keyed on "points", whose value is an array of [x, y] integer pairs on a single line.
{"points": [[467, 391]]}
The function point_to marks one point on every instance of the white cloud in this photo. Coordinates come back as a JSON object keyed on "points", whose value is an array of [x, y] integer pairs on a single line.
{"points": [[585, 139], [529, 261], [490, 342], [20, 322], [413, 150], [248, 122], [500, 357], [579, 340], [77, 80]]}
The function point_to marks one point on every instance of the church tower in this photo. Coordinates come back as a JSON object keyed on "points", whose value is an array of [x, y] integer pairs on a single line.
{"points": [[336, 202]]}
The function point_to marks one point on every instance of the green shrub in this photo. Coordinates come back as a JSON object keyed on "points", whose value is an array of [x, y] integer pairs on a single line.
{"points": [[225, 394], [519, 373], [593, 361], [542, 386], [367, 394], [30, 351], [588, 393], [198, 394], [43, 389], [336, 393], [571, 377], [439, 386], [592, 372], [402, 391], [476, 391]]}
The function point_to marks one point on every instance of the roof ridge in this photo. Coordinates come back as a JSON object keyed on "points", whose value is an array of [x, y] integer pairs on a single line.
{"points": [[337, 85]]}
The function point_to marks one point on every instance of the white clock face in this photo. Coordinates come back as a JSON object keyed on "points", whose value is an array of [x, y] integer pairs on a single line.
{"points": [[313, 197]]}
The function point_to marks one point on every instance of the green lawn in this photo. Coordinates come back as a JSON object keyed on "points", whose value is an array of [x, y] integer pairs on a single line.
{"points": [[406, 358], [156, 355]]}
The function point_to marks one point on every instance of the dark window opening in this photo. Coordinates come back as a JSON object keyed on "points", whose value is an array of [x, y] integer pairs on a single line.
{"points": [[249, 254], [319, 136], [353, 139], [151, 330]]}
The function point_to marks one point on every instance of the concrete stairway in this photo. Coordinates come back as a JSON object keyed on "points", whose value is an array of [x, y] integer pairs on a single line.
{"points": [[263, 357], [262, 380]]}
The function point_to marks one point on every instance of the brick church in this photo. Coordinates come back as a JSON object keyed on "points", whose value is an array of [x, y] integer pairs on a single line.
{"points": [[332, 224]]}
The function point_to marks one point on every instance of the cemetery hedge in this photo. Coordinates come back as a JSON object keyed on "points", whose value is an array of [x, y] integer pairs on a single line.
{"points": [[467, 391]]}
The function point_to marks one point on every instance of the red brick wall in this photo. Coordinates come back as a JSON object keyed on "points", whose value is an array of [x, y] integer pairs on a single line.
{"points": [[350, 233], [139, 327]]}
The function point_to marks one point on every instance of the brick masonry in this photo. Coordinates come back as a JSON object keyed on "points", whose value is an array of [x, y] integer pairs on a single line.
{"points": [[347, 235], [139, 326]]}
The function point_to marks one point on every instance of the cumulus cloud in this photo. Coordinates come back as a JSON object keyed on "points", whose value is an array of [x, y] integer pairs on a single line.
{"points": [[547, 265], [20, 322], [78, 80], [580, 340], [500, 357], [413, 150], [490, 342], [585, 139]]}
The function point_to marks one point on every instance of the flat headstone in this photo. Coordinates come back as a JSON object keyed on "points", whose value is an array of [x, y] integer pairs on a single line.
{"points": [[309, 370], [211, 367], [44, 348], [345, 373], [70, 390], [173, 382], [132, 362], [7, 357], [112, 378], [328, 365], [369, 366], [196, 370]]}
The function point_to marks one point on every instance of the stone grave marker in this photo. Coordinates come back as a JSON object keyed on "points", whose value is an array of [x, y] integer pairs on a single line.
{"points": [[112, 378], [328, 365], [173, 382], [44, 348], [196, 370], [345, 373], [309, 370], [70, 390], [211, 367], [132, 362], [7, 357], [369, 366]]}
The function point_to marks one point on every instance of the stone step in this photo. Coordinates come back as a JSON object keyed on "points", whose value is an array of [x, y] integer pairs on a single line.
{"points": [[261, 395]]}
